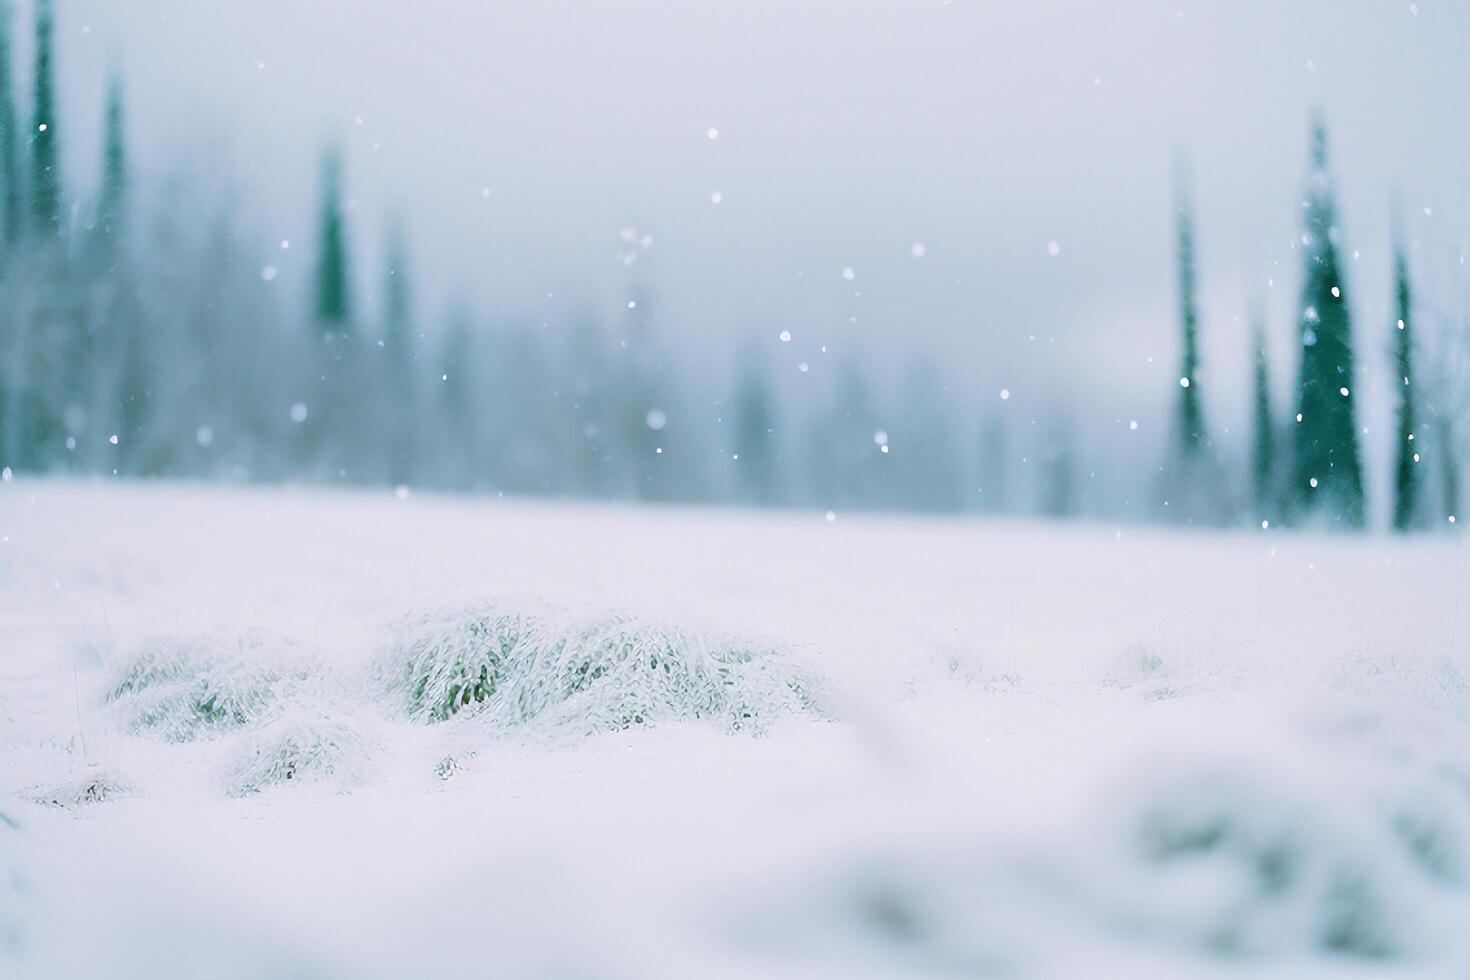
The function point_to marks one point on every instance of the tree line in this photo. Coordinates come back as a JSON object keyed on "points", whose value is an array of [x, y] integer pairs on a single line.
{"points": [[141, 337], [1309, 467]]}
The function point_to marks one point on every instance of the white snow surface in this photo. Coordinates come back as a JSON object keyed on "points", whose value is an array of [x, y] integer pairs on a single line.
{"points": [[1018, 750]]}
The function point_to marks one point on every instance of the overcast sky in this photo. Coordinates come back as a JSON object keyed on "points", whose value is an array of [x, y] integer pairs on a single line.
{"points": [[523, 138]]}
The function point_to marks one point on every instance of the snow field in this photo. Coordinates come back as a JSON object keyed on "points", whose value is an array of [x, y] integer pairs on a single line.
{"points": [[284, 731]]}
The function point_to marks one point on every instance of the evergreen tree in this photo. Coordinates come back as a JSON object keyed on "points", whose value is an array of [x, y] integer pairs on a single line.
{"points": [[1263, 456], [11, 180], [1326, 475], [1406, 472], [1193, 487], [112, 197], [398, 351], [126, 337], [333, 302], [755, 434], [11, 220], [338, 431], [1449, 466], [1190, 424], [45, 170]]}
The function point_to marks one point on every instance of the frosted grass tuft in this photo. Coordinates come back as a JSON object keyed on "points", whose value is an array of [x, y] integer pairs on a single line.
{"points": [[560, 671], [183, 690]]}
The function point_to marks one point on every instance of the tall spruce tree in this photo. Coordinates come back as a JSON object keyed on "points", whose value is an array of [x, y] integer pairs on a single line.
{"points": [[1191, 486], [45, 171], [398, 352], [1406, 470], [1190, 424], [127, 341], [333, 301], [112, 196], [12, 181], [1326, 477], [1449, 467], [1263, 449]]}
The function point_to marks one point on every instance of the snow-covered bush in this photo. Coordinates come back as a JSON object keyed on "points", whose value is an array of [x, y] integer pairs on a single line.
{"points": [[1267, 874], [1223, 864], [289, 751], [92, 786], [181, 690], [588, 673]]}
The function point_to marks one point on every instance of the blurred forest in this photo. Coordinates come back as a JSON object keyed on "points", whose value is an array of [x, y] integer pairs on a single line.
{"points": [[140, 337]]}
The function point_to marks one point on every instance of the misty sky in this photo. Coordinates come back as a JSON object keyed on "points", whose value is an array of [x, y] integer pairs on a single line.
{"points": [[522, 138]]}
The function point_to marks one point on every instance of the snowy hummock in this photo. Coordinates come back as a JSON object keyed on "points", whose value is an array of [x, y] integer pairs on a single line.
{"points": [[982, 749]]}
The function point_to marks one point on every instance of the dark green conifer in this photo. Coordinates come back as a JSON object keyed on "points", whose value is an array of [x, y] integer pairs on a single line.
{"points": [[112, 196], [12, 181], [398, 351], [1190, 425], [1263, 449], [1326, 473], [1406, 469], [333, 301], [45, 170]]}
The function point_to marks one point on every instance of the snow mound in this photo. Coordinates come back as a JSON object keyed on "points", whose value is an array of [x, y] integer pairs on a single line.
{"points": [[183, 690], [1366, 865], [560, 671], [1269, 874], [295, 752], [91, 787]]}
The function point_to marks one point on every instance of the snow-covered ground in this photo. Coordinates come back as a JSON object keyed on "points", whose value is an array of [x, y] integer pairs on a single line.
{"points": [[927, 747]]}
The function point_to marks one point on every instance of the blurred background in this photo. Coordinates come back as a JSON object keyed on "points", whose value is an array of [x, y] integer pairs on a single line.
{"points": [[1134, 260]]}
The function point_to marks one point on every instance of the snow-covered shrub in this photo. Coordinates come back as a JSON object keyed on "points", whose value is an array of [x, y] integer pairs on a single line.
{"points": [[93, 786], [562, 671], [1263, 876], [1234, 866], [181, 690], [288, 751]]}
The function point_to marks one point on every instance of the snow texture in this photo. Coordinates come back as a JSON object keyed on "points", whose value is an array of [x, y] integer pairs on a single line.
{"points": [[279, 731]]}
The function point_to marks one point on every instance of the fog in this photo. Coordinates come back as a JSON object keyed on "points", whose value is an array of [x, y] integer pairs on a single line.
{"points": [[985, 187], [847, 132]]}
